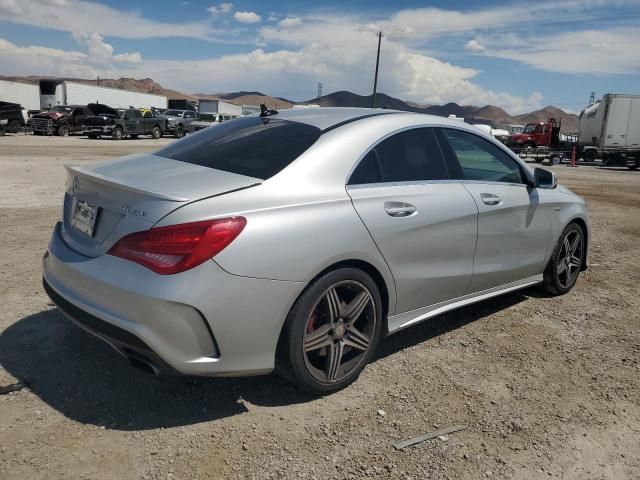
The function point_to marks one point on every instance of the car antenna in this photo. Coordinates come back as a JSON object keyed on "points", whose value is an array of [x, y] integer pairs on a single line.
{"points": [[265, 112]]}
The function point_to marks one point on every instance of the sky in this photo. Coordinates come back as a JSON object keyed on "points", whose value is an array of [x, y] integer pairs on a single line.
{"points": [[514, 54]]}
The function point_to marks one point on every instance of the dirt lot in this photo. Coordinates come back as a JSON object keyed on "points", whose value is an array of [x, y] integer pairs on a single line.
{"points": [[548, 387]]}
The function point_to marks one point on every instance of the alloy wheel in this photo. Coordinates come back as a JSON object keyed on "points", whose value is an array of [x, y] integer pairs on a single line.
{"points": [[339, 331], [570, 259]]}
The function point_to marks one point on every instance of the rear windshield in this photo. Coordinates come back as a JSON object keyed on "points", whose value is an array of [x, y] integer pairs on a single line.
{"points": [[252, 146]]}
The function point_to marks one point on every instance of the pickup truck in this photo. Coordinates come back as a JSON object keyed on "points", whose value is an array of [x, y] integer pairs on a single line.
{"points": [[178, 121], [206, 120], [130, 122], [63, 120]]}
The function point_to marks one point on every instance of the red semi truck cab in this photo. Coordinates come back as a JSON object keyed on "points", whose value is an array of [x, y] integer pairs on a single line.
{"points": [[536, 135]]}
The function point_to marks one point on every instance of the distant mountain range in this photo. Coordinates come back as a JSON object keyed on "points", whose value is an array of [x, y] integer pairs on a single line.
{"points": [[488, 114]]}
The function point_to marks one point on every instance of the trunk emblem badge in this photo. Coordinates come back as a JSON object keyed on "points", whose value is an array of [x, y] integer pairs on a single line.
{"points": [[133, 211]]}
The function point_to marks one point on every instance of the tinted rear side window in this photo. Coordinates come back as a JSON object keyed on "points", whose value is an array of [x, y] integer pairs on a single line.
{"points": [[252, 146], [408, 156]]}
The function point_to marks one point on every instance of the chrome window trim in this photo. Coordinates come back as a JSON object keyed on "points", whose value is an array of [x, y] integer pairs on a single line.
{"points": [[502, 146], [378, 142], [402, 184], [523, 166]]}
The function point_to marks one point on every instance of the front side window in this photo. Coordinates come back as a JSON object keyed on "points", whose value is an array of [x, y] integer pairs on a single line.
{"points": [[479, 159], [411, 155], [252, 146]]}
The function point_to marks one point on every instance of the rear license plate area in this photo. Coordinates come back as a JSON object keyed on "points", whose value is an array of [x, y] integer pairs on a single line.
{"points": [[84, 217]]}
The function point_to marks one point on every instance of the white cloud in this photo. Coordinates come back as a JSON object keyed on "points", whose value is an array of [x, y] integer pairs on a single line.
{"points": [[101, 53], [34, 59], [222, 8], [290, 22], [594, 52], [474, 46], [71, 16], [247, 17]]}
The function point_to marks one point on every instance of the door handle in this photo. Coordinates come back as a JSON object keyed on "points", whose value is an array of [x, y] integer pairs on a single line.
{"points": [[490, 199], [399, 209]]}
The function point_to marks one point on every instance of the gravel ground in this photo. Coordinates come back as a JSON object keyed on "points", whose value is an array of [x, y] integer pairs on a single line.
{"points": [[548, 387]]}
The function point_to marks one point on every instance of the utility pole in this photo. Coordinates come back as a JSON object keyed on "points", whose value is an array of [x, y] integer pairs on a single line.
{"points": [[319, 90], [375, 80]]}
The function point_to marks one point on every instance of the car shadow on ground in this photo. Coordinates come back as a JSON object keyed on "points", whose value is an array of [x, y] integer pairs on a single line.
{"points": [[87, 381]]}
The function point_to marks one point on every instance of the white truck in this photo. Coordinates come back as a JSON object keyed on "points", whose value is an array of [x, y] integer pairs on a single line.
{"points": [[219, 106], [499, 133], [25, 94], [610, 129], [57, 92]]}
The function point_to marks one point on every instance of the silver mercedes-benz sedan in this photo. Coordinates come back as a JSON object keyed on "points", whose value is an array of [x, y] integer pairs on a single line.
{"points": [[295, 240]]}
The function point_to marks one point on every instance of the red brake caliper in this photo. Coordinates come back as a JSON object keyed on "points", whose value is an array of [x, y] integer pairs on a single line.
{"points": [[311, 324]]}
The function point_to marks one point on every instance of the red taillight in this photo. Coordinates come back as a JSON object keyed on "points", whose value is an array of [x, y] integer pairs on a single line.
{"points": [[176, 248]]}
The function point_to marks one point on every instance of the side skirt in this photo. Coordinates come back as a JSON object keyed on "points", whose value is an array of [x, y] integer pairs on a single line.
{"points": [[404, 320]]}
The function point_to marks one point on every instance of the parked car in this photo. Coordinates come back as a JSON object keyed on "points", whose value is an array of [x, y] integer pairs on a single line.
{"points": [[130, 122], [179, 121], [65, 120], [296, 240], [14, 115], [205, 120]]}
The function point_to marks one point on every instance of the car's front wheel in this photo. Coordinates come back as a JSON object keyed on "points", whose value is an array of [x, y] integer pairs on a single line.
{"points": [[331, 332], [566, 261]]}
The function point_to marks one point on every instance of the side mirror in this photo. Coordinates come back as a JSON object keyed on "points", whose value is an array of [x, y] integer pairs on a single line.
{"points": [[544, 178]]}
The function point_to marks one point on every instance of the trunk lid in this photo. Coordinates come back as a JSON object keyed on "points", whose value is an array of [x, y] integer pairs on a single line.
{"points": [[132, 193]]}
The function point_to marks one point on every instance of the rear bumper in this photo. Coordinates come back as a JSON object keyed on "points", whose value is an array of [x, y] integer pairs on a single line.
{"points": [[201, 322]]}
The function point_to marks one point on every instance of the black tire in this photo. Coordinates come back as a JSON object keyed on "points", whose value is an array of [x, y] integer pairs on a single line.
{"points": [[14, 126], [179, 133], [632, 166], [117, 134], [63, 131], [556, 160], [590, 156], [2, 130], [309, 368], [156, 133], [558, 281]]}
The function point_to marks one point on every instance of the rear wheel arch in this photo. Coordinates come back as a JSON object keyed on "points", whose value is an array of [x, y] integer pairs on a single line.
{"points": [[369, 269], [288, 363]]}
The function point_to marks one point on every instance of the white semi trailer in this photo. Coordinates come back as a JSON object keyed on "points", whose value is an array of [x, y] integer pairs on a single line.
{"points": [[25, 94], [219, 106], [55, 92], [610, 129]]}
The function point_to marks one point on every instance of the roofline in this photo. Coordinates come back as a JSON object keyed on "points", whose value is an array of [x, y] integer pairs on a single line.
{"points": [[355, 119]]}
